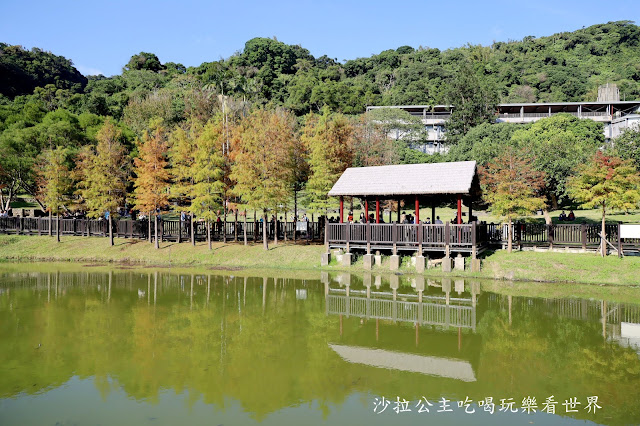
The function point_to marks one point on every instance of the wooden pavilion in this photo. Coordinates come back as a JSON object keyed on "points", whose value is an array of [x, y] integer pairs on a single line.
{"points": [[417, 185]]}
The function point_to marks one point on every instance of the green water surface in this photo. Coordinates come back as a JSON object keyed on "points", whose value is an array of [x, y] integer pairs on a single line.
{"points": [[158, 348]]}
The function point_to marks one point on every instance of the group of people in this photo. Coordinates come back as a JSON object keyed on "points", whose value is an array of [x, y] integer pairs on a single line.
{"points": [[564, 217], [6, 213], [406, 219]]}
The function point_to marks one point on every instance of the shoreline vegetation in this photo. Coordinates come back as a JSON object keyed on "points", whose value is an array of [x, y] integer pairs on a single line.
{"points": [[530, 266]]}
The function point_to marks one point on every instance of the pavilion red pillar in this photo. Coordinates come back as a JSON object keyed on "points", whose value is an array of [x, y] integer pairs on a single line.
{"points": [[417, 210], [459, 209], [366, 210], [341, 208], [377, 210]]}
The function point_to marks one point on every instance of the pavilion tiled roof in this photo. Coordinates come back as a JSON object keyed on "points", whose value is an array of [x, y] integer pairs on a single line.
{"points": [[407, 179]]}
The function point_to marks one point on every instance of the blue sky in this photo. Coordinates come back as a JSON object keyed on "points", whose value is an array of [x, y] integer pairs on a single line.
{"points": [[100, 37]]}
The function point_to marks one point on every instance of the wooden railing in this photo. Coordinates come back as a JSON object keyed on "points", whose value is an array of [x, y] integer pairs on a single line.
{"points": [[470, 237], [173, 230], [461, 238], [456, 238], [424, 313]]}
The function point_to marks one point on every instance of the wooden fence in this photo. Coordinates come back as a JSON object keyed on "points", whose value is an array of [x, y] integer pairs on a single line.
{"points": [[464, 238], [472, 237], [168, 230]]}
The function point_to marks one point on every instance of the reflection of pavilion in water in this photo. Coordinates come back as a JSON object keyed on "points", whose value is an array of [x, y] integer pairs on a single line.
{"points": [[620, 321], [440, 308], [445, 309]]}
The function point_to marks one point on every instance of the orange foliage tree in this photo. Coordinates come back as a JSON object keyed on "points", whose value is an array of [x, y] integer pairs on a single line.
{"points": [[511, 186], [152, 177]]}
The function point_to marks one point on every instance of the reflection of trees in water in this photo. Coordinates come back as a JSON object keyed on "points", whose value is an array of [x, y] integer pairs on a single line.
{"points": [[556, 347], [226, 337]]}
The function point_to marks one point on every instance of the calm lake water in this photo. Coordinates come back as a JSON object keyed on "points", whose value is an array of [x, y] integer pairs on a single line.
{"points": [[157, 348]]}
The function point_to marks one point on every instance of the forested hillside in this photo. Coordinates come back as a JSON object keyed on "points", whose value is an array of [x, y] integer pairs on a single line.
{"points": [[563, 67], [45, 103], [23, 70]]}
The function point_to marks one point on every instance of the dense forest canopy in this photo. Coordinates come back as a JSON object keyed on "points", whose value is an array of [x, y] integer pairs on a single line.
{"points": [[45, 103], [567, 66]]}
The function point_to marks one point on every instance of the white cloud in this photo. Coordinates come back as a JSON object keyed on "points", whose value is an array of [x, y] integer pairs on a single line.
{"points": [[86, 71]]}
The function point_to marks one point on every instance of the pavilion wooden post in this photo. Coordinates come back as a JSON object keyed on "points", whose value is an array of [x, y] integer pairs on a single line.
{"points": [[398, 211], [459, 219], [341, 208], [394, 238], [366, 210], [474, 242], [346, 234], [377, 210], [433, 214], [235, 226], [368, 225], [418, 227], [447, 235], [619, 243]]}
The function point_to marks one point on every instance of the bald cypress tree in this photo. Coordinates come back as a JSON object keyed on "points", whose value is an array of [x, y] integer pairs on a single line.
{"points": [[152, 176], [54, 182], [105, 172]]}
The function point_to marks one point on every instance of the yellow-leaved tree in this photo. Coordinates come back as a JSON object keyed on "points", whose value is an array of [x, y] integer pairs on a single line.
{"points": [[104, 172], [262, 143], [54, 183]]}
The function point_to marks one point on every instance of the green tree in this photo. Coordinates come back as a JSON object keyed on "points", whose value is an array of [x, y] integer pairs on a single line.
{"points": [[372, 145], [261, 143], [208, 173], [556, 145], [104, 175], [606, 182], [182, 150], [197, 170], [54, 183], [511, 187], [328, 138], [474, 102], [483, 143], [627, 146], [144, 61], [397, 124]]}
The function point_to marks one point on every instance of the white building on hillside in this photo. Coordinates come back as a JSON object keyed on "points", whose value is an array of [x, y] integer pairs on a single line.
{"points": [[615, 115]]}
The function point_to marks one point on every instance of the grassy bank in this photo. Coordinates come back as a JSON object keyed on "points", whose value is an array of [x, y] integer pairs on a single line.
{"points": [[521, 266]]}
